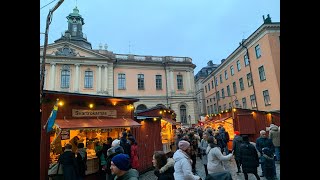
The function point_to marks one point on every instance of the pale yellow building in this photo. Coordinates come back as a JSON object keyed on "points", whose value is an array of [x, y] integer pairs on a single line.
{"points": [[73, 66], [249, 77]]}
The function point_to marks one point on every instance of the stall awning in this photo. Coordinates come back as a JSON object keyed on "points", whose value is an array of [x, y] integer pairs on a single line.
{"points": [[170, 121], [95, 123]]}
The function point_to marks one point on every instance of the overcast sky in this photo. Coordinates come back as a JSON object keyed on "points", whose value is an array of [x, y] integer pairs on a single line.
{"points": [[200, 29]]}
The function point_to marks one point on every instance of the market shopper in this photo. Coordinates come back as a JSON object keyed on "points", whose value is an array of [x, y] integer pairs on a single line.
{"points": [[236, 143], [69, 163], [274, 135], [120, 167], [203, 147], [134, 158], [182, 165], [113, 151], [215, 156], [262, 142], [164, 166], [249, 158], [81, 160]]}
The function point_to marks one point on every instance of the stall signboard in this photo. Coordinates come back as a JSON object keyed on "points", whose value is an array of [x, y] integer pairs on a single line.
{"points": [[65, 134], [94, 113]]}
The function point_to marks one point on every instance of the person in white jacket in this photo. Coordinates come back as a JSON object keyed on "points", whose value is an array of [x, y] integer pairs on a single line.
{"points": [[182, 165], [215, 157]]}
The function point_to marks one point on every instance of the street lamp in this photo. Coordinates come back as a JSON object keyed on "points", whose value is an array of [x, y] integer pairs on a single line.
{"points": [[43, 65], [189, 120]]}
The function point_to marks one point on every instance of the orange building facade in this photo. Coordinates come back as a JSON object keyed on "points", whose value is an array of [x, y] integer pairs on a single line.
{"points": [[249, 78]]}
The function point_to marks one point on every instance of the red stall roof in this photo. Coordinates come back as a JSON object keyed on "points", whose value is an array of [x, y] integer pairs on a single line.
{"points": [[95, 123]]}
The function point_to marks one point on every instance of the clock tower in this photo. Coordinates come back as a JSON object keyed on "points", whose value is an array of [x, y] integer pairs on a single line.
{"points": [[74, 33]]}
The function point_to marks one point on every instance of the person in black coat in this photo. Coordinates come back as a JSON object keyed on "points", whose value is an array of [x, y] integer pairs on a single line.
{"points": [[164, 166], [69, 163], [236, 143], [81, 160], [249, 158]]}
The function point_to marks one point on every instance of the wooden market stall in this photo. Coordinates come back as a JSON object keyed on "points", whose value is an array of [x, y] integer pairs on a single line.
{"points": [[246, 121], [156, 133], [83, 118]]}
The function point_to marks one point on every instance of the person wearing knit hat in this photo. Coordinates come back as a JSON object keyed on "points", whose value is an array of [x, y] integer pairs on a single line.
{"points": [[115, 142], [182, 165], [183, 145], [121, 168], [237, 133]]}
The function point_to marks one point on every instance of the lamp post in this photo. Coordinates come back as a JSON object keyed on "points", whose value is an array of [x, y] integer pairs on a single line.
{"points": [[189, 120], [43, 63]]}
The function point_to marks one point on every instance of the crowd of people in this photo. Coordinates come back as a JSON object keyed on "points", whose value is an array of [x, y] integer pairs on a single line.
{"points": [[118, 158]]}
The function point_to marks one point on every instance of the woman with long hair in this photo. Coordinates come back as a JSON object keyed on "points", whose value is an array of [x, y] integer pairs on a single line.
{"points": [[215, 156], [163, 166]]}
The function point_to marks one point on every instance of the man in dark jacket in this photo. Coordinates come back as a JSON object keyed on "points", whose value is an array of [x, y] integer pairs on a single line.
{"points": [[236, 143], [262, 142], [249, 158], [120, 167]]}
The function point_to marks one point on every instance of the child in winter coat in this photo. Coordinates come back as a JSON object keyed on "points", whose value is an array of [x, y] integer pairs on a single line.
{"points": [[269, 164]]}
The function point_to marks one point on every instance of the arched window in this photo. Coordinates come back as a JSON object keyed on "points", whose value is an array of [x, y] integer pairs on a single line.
{"points": [[141, 107], [183, 114]]}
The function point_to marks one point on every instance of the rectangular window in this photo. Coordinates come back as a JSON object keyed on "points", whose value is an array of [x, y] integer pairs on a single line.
{"points": [[244, 103], [212, 84], [216, 80], [246, 60], [234, 87], [237, 103], [88, 79], [249, 79], [262, 74], [253, 101], [220, 78], [208, 86], [180, 82], [208, 109], [140, 81], [230, 106], [228, 90], [238, 65], [219, 109], [158, 82], [205, 88], [222, 93], [215, 108], [65, 79], [226, 74], [224, 107], [211, 109], [258, 51], [241, 84], [121, 81], [232, 70], [218, 95], [266, 98]]}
